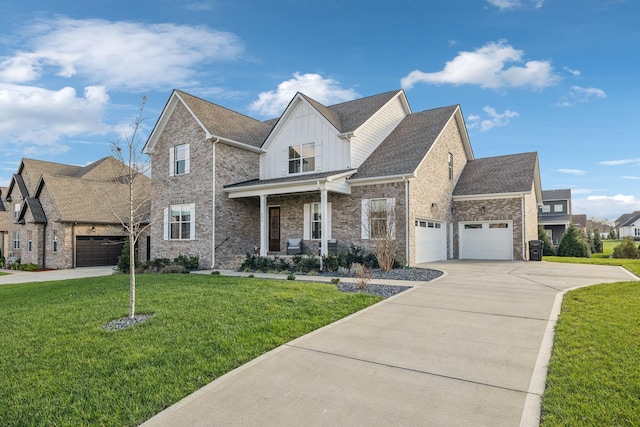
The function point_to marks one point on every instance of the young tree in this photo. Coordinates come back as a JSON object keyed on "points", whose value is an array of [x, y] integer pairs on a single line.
{"points": [[598, 247], [573, 243], [626, 249], [380, 226], [612, 234], [131, 176]]}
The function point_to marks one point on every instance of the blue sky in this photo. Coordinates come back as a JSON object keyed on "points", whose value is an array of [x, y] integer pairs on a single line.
{"points": [[554, 76]]}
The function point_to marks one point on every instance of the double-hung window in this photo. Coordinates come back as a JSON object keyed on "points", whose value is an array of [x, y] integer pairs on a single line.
{"points": [[450, 164], [312, 229], [179, 222], [179, 159], [378, 218], [55, 240], [316, 221], [16, 240], [302, 158], [29, 240], [16, 210]]}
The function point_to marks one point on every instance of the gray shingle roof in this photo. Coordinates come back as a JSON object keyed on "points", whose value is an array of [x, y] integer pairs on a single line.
{"points": [[405, 147], [35, 207], [564, 194], [353, 114], [513, 173], [627, 219], [226, 123]]}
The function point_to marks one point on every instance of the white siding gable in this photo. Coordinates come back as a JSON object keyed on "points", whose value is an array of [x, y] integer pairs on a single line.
{"points": [[371, 134], [303, 124]]}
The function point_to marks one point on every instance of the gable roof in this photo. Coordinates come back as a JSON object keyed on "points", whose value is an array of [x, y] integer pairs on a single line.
{"points": [[406, 146], [514, 173], [3, 195], [626, 220], [354, 113], [87, 201]]}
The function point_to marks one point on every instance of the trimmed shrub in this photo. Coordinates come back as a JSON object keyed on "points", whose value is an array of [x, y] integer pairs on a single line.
{"points": [[626, 249], [190, 262], [574, 244], [173, 269]]}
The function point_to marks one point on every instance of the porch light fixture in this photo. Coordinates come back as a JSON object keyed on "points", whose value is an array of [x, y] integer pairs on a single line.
{"points": [[434, 205], [482, 210], [93, 228]]}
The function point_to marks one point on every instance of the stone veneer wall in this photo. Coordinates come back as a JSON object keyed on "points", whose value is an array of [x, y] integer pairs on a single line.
{"points": [[495, 210], [433, 184]]}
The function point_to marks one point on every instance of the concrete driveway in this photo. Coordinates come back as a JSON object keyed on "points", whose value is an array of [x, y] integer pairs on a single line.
{"points": [[46, 276], [469, 349]]}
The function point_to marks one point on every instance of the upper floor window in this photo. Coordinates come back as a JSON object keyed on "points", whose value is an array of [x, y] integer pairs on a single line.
{"points": [[29, 240], [180, 160], [16, 210], [302, 158], [545, 208], [450, 161], [637, 231], [55, 240], [558, 208]]}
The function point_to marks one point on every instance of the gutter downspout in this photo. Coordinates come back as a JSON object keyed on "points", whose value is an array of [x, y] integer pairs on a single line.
{"points": [[524, 243], [73, 245], [406, 220], [44, 245], [213, 200]]}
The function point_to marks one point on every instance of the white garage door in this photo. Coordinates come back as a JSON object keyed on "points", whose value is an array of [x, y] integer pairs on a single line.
{"points": [[486, 240], [430, 241]]}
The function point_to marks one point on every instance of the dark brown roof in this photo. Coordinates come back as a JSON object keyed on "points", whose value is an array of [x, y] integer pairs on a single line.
{"points": [[513, 173], [405, 147]]}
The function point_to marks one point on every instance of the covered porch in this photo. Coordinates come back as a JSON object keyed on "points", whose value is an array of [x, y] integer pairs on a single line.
{"points": [[296, 207]]}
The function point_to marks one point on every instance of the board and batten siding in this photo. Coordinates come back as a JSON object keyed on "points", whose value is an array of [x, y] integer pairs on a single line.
{"points": [[303, 126], [371, 134]]}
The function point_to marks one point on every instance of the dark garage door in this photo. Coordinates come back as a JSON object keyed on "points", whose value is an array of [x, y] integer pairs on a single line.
{"points": [[92, 251]]}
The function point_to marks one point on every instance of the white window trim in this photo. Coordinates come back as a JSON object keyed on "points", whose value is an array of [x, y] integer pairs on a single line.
{"points": [[16, 240], [192, 222], [365, 221], [16, 210], [560, 205], [545, 208], [172, 159], [307, 221]]}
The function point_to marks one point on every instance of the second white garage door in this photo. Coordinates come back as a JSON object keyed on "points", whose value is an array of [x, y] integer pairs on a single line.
{"points": [[430, 241], [486, 240]]}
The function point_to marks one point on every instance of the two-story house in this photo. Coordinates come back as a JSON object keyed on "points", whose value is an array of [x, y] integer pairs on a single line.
{"points": [[4, 223], [65, 216], [554, 215], [225, 183]]}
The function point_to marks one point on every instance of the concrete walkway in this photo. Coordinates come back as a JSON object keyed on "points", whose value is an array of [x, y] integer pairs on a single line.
{"points": [[49, 275], [469, 349]]}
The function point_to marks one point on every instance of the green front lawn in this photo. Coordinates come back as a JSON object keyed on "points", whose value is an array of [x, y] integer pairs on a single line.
{"points": [[633, 265], [58, 366], [4, 274], [594, 374]]}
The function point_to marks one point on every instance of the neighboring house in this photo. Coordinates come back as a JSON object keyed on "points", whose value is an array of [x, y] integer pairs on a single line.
{"points": [[65, 216], [4, 223], [226, 183], [628, 225], [554, 215], [580, 221]]}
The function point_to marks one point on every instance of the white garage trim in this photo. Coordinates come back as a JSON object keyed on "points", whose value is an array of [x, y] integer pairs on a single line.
{"points": [[486, 240], [430, 236]]}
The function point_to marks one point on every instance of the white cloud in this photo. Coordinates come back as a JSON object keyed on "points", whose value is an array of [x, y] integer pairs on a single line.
{"points": [[576, 73], [580, 95], [609, 207], [202, 6], [516, 4], [621, 162], [119, 55], [35, 119], [323, 90], [489, 67], [629, 177], [494, 119], [572, 171]]}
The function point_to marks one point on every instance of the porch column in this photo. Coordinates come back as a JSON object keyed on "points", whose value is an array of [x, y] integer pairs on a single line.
{"points": [[324, 222], [264, 226]]}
